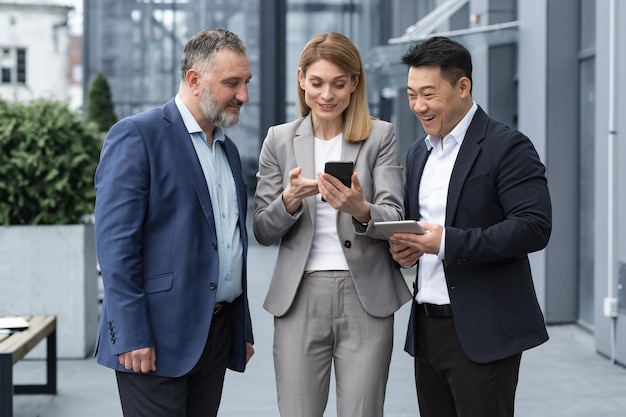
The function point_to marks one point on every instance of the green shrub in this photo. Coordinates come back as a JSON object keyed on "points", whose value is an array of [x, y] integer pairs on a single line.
{"points": [[100, 104], [48, 157]]}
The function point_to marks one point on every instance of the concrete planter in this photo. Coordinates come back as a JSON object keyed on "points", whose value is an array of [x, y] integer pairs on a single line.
{"points": [[52, 270]]}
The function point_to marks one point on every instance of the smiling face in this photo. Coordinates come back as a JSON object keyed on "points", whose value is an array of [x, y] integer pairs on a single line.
{"points": [[327, 90], [438, 104], [224, 87]]}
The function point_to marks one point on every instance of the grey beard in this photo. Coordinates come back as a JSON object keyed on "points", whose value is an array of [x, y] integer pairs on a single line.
{"points": [[216, 116]]}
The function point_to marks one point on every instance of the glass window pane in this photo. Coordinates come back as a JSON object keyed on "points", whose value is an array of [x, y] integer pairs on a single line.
{"points": [[586, 184], [21, 65], [6, 75]]}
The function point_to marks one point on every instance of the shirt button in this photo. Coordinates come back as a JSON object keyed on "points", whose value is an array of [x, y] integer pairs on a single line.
{"points": [[212, 285]]}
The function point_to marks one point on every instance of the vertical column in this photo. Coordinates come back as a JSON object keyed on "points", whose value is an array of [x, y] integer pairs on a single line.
{"points": [[273, 45]]}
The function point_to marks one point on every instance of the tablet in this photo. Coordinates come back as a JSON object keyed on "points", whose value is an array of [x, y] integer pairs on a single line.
{"points": [[404, 226]]}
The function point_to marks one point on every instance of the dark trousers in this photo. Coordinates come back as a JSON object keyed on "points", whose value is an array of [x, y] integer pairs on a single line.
{"points": [[451, 385], [196, 394]]}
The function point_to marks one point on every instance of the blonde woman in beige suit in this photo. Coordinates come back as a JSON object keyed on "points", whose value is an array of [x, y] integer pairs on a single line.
{"points": [[335, 287]]}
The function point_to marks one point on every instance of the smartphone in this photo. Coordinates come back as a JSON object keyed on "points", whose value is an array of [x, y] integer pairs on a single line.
{"points": [[341, 170]]}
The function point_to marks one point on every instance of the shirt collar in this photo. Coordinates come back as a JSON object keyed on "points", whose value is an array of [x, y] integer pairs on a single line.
{"points": [[459, 131], [192, 124]]}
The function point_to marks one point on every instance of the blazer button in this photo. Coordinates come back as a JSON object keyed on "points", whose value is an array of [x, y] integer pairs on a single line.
{"points": [[212, 285], [214, 245], [347, 244]]}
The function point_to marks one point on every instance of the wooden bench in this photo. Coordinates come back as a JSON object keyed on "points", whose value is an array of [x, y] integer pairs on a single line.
{"points": [[14, 346]]}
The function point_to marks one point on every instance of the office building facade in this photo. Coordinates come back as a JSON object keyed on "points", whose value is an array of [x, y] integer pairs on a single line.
{"points": [[546, 67]]}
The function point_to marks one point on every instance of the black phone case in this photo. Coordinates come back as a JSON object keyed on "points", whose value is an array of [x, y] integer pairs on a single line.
{"points": [[341, 170]]}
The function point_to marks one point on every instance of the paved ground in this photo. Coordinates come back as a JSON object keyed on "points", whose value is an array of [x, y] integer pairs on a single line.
{"points": [[565, 377]]}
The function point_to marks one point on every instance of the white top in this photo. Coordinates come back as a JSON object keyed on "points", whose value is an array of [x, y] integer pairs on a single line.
{"points": [[326, 251]]}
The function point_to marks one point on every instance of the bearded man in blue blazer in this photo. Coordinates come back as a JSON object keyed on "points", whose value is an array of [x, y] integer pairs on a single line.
{"points": [[479, 190], [172, 241]]}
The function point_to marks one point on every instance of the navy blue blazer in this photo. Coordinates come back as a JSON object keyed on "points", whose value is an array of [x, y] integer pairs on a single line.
{"points": [[498, 210], [157, 245]]}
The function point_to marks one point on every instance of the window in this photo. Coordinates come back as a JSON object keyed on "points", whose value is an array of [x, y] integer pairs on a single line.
{"points": [[21, 65], [6, 75], [13, 65]]}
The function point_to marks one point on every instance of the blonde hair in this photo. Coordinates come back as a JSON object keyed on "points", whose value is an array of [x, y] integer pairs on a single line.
{"points": [[338, 49]]}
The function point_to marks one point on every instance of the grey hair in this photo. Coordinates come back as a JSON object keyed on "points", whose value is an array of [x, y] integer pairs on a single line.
{"points": [[200, 49]]}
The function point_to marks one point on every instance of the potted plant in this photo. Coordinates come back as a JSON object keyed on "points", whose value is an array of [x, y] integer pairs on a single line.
{"points": [[48, 157]]}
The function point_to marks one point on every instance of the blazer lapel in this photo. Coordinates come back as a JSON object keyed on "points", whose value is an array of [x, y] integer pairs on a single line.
{"points": [[188, 158], [465, 160], [232, 155], [350, 151], [412, 196]]}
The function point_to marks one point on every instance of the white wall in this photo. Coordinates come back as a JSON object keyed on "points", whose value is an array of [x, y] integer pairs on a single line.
{"points": [[43, 31], [606, 285]]}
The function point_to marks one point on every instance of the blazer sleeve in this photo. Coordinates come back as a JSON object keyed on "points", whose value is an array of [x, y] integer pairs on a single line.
{"points": [[271, 219], [122, 184], [385, 192], [504, 211]]}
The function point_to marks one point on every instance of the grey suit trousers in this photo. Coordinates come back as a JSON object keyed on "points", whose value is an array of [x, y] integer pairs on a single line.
{"points": [[326, 326]]}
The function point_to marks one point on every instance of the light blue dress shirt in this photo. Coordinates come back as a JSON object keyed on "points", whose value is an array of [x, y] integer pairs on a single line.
{"points": [[223, 193]]}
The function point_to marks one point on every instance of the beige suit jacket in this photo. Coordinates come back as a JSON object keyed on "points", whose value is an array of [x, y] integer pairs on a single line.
{"points": [[379, 283]]}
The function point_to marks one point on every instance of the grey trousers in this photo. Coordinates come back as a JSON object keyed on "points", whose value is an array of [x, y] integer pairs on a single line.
{"points": [[326, 326]]}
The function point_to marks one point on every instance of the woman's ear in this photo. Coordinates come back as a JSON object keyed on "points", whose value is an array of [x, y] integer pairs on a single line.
{"points": [[301, 78], [355, 81]]}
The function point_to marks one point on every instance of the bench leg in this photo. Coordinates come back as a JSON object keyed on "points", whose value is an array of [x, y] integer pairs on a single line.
{"points": [[51, 371], [6, 385], [51, 363]]}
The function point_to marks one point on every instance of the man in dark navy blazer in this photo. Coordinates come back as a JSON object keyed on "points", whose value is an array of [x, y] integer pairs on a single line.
{"points": [[479, 190], [172, 241]]}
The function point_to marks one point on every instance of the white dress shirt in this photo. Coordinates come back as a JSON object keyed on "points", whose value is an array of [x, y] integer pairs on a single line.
{"points": [[433, 197]]}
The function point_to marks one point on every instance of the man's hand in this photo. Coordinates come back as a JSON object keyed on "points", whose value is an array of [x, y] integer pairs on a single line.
{"points": [[407, 248], [140, 360], [404, 255], [249, 351]]}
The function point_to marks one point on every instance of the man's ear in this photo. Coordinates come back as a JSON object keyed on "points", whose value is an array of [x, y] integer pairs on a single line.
{"points": [[193, 80], [465, 86]]}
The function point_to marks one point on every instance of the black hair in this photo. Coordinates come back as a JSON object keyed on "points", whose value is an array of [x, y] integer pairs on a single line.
{"points": [[451, 57]]}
